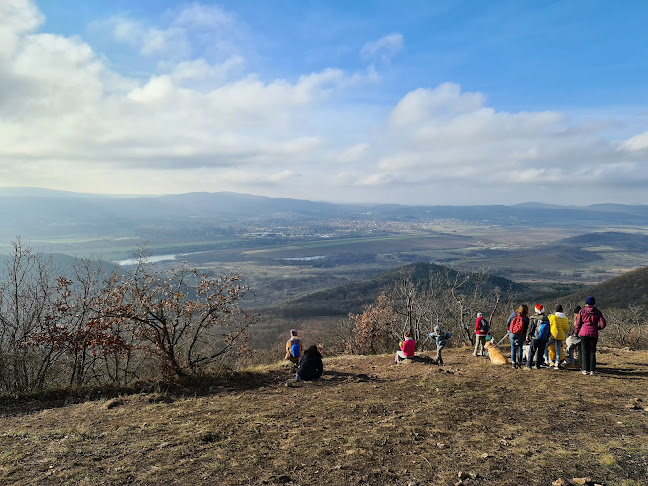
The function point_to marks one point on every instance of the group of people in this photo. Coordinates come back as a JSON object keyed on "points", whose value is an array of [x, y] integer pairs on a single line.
{"points": [[542, 335], [308, 363], [545, 334]]}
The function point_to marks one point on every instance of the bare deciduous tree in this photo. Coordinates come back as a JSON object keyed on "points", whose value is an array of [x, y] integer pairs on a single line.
{"points": [[187, 319]]}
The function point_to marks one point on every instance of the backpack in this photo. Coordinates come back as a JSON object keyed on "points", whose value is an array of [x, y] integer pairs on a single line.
{"points": [[542, 333], [517, 325], [294, 349], [484, 325]]}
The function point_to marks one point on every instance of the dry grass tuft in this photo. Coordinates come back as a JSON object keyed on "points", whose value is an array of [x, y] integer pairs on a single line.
{"points": [[367, 421]]}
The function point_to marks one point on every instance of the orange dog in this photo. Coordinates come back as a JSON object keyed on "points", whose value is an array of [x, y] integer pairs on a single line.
{"points": [[495, 355]]}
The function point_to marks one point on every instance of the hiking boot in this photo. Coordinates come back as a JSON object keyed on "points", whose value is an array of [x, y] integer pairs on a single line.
{"points": [[591, 372], [584, 372]]}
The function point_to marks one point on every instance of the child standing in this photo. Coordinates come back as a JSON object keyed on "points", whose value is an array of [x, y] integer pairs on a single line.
{"points": [[441, 338]]}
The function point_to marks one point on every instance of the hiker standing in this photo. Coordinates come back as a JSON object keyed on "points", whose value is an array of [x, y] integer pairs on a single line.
{"points": [[441, 338], [294, 347], [538, 334], [481, 331], [517, 325], [558, 329], [589, 322]]}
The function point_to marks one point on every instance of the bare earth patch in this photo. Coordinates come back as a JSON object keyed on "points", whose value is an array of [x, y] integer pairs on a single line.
{"points": [[367, 421]]}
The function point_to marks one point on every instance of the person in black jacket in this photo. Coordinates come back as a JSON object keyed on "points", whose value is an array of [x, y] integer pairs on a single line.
{"points": [[310, 365]]}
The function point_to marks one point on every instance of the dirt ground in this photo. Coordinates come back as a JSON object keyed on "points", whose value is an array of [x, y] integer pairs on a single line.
{"points": [[367, 421]]}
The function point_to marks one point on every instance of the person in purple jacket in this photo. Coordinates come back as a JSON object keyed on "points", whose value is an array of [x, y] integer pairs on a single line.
{"points": [[588, 323]]}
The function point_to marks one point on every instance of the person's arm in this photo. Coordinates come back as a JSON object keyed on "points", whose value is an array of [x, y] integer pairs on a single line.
{"points": [[530, 329], [578, 324], [601, 322]]}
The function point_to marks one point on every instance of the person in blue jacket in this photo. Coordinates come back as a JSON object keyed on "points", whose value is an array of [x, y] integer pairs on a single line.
{"points": [[441, 338]]}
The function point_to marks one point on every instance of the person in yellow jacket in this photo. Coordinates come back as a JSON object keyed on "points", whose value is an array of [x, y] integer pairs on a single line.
{"points": [[559, 329]]}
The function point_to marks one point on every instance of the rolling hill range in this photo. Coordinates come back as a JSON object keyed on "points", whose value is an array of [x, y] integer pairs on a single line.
{"points": [[39, 213], [350, 298], [618, 292]]}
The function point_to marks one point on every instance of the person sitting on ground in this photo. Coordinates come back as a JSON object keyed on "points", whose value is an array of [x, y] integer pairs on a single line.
{"points": [[589, 322], [441, 338], [407, 347], [481, 331], [294, 347], [310, 365], [538, 334], [559, 327], [517, 325]]}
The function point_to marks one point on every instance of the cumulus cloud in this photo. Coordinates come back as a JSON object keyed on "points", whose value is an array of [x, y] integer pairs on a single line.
{"points": [[210, 122], [637, 143], [384, 48]]}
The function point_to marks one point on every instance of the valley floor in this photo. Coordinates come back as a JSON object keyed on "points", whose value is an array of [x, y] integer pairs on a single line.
{"points": [[367, 421]]}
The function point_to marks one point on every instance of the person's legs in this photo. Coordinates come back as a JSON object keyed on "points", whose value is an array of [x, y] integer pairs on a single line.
{"points": [[531, 353], [559, 355], [439, 359], [546, 353], [593, 342], [476, 345], [516, 350], [541, 344], [584, 354]]}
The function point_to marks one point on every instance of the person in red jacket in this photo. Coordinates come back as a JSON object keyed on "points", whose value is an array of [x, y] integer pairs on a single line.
{"points": [[407, 347], [588, 323], [481, 331]]}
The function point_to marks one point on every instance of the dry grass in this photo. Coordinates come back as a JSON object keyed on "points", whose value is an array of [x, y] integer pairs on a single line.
{"points": [[367, 421]]}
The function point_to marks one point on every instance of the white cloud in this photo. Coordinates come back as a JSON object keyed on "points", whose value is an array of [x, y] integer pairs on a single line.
{"points": [[354, 154], [384, 48], [204, 16], [637, 143], [70, 120], [17, 17]]}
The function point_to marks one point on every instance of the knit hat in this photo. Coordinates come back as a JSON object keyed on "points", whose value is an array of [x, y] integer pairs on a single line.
{"points": [[293, 332], [590, 300], [437, 328], [479, 314], [539, 308]]}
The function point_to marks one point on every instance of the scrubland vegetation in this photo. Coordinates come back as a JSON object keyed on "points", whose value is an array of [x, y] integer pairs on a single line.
{"points": [[153, 375]]}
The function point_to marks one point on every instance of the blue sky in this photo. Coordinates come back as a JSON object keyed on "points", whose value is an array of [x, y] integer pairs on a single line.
{"points": [[443, 102]]}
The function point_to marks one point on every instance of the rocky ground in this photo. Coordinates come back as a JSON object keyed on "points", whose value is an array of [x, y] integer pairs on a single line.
{"points": [[367, 421]]}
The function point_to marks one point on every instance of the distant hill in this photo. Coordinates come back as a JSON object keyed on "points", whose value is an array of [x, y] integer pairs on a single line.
{"points": [[42, 213], [618, 240], [340, 301], [618, 292]]}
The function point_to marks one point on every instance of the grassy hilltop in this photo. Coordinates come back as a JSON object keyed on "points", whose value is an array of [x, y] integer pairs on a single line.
{"points": [[368, 421]]}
